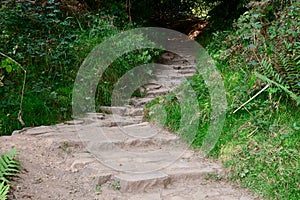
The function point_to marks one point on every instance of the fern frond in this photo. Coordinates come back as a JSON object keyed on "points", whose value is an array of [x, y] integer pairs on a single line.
{"points": [[292, 95], [8, 166], [4, 191]]}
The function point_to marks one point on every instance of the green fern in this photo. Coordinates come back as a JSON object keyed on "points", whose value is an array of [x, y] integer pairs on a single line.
{"points": [[292, 95], [269, 71], [8, 167], [3, 191], [281, 69]]}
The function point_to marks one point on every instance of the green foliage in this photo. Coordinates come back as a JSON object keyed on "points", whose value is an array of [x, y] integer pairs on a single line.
{"points": [[98, 189], [259, 143], [118, 68], [160, 12], [40, 37], [268, 47], [261, 150], [8, 165], [171, 114], [51, 41], [8, 168], [116, 185], [8, 65], [4, 189]]}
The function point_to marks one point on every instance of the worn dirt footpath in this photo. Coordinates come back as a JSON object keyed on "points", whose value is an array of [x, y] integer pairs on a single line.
{"points": [[117, 156]]}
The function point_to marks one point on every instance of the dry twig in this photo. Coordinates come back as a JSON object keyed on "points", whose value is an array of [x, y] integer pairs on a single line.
{"points": [[268, 85]]}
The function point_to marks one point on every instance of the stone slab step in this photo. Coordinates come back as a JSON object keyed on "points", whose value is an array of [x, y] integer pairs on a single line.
{"points": [[166, 82], [141, 182], [151, 86], [35, 130], [107, 120], [138, 102], [135, 135], [183, 67], [174, 69], [123, 111], [163, 77], [139, 161], [131, 144], [157, 93], [115, 120], [114, 110], [191, 171], [187, 71]]}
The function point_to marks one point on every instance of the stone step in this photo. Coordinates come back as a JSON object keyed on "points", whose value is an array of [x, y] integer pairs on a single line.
{"points": [[187, 71], [173, 69], [188, 74], [140, 160], [176, 60], [132, 144], [117, 120], [141, 182], [169, 77], [114, 110], [164, 69], [130, 134], [182, 170], [107, 120], [167, 73], [151, 86], [157, 93], [138, 102], [123, 111], [183, 67], [136, 135]]}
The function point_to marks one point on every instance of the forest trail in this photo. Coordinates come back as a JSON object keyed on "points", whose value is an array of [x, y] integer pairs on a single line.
{"points": [[129, 159]]}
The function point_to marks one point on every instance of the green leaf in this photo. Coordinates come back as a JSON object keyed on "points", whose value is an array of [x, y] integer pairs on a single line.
{"points": [[3, 191], [8, 68]]}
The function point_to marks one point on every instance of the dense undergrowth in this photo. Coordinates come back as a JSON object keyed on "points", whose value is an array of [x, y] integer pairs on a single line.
{"points": [[50, 40], [260, 142]]}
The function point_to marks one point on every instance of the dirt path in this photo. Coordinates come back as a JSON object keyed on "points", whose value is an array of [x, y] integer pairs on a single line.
{"points": [[117, 156]]}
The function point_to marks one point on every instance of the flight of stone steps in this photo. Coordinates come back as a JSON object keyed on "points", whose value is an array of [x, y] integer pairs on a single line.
{"points": [[134, 159], [143, 154]]}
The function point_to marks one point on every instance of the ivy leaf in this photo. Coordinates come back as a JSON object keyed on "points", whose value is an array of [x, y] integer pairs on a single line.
{"points": [[8, 68], [257, 25]]}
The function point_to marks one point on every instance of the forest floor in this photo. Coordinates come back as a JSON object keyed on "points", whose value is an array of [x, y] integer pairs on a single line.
{"points": [[117, 155]]}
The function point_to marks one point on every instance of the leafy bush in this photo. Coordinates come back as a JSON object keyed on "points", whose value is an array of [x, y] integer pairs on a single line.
{"points": [[50, 41], [267, 47], [39, 36]]}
